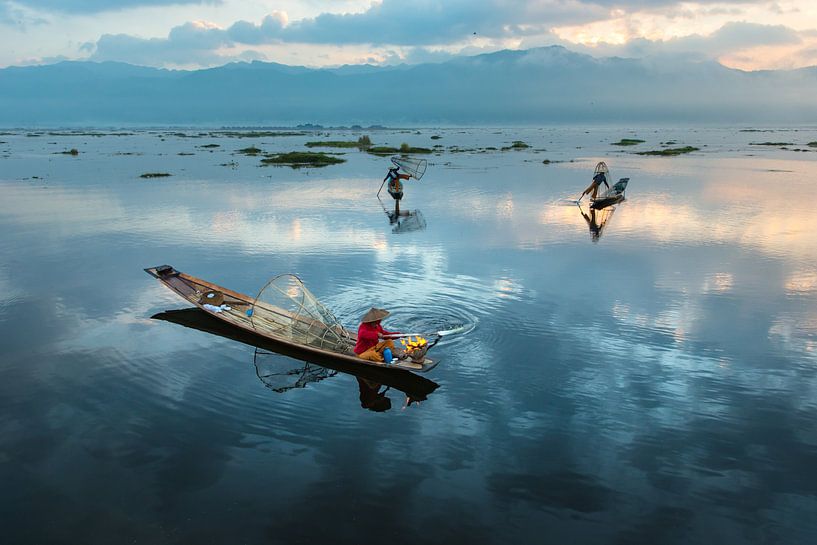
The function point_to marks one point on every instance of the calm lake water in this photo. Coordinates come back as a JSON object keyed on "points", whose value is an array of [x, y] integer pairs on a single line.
{"points": [[645, 376]]}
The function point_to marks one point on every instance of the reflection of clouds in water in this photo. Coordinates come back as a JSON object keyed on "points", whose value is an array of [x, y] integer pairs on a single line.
{"points": [[96, 213], [801, 282], [718, 283]]}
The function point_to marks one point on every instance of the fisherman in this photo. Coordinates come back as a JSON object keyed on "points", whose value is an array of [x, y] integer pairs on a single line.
{"points": [[598, 179], [371, 341], [395, 187]]}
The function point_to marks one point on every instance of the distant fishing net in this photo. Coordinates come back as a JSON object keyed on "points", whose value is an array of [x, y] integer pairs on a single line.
{"points": [[286, 309], [410, 165], [279, 373]]}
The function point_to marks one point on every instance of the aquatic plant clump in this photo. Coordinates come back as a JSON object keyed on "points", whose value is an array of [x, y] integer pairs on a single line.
{"points": [[669, 152], [516, 145], [628, 142], [404, 148], [362, 143], [155, 175], [297, 159], [72, 151], [252, 150], [771, 143], [812, 144]]}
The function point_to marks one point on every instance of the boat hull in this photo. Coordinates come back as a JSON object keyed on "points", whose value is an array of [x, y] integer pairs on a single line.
{"points": [[191, 290]]}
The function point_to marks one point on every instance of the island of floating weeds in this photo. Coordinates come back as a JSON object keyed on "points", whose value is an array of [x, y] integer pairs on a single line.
{"points": [[404, 148], [364, 142], [155, 175], [628, 142], [296, 159], [669, 152]]}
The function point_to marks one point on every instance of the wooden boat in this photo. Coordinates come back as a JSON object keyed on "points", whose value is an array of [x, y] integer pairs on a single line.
{"points": [[285, 312], [612, 196], [416, 387]]}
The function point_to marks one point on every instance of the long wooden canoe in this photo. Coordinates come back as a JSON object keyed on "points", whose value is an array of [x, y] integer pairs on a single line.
{"points": [[417, 387], [193, 289]]}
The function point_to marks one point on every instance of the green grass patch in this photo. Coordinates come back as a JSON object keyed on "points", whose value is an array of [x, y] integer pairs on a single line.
{"points": [[669, 152], [628, 142], [257, 134], [516, 145], [155, 175], [812, 144], [771, 144], [252, 150], [404, 149], [363, 142], [296, 159]]}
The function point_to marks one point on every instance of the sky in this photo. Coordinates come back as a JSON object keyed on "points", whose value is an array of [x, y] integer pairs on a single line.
{"points": [[749, 35]]}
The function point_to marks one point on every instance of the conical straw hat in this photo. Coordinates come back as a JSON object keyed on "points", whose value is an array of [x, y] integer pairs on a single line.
{"points": [[374, 314]]}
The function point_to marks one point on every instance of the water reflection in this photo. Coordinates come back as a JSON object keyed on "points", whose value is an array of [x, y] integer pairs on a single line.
{"points": [[403, 221], [274, 363], [597, 219]]}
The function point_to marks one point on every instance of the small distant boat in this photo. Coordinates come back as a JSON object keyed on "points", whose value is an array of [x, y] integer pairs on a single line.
{"points": [[284, 311], [612, 196]]}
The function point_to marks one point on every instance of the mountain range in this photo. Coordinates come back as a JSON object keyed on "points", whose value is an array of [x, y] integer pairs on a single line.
{"points": [[517, 87]]}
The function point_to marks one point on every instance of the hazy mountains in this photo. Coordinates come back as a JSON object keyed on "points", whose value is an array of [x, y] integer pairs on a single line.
{"points": [[536, 86]]}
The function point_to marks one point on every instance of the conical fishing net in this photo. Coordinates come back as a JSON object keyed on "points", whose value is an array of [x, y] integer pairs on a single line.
{"points": [[410, 165], [286, 309]]}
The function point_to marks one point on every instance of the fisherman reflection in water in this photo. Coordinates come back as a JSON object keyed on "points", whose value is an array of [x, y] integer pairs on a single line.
{"points": [[371, 397], [370, 336], [593, 224]]}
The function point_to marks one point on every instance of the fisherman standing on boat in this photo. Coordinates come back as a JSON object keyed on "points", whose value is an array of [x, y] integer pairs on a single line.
{"points": [[598, 179], [370, 336], [395, 187]]}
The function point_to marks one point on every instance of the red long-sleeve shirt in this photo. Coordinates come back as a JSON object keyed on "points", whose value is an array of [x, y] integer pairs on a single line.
{"points": [[367, 336]]}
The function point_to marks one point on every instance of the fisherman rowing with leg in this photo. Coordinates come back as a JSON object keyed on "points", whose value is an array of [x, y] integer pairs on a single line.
{"points": [[598, 179], [395, 187]]}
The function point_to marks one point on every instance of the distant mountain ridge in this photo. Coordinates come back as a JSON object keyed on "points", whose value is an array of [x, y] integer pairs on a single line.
{"points": [[534, 86]]}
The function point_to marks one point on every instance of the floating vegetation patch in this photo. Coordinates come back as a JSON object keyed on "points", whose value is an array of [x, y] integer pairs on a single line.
{"points": [[128, 153], [257, 134], [252, 150], [210, 146], [185, 153], [231, 164], [296, 159], [404, 148], [363, 142], [155, 175], [72, 151], [812, 144], [771, 143], [628, 142], [669, 152], [516, 145], [435, 137]]}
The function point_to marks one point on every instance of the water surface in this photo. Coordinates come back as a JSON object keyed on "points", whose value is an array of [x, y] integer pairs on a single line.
{"points": [[644, 376]]}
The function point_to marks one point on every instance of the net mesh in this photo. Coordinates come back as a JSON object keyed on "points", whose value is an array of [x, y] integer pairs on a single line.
{"points": [[281, 374], [286, 309], [410, 165]]}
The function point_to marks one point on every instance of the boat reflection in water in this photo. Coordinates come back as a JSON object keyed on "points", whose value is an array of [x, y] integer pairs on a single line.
{"points": [[597, 219], [280, 375], [404, 221]]}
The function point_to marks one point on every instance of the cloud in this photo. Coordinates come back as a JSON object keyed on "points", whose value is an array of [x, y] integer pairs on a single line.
{"points": [[95, 6], [13, 16], [191, 43], [730, 38]]}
